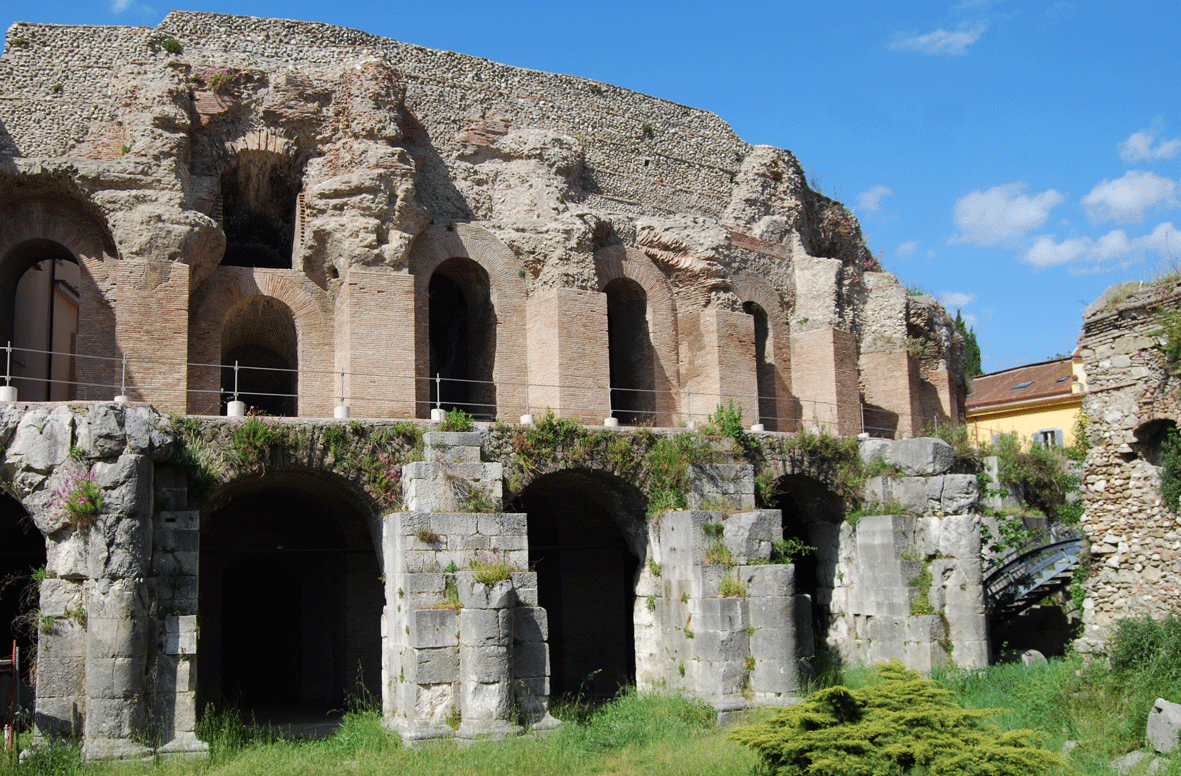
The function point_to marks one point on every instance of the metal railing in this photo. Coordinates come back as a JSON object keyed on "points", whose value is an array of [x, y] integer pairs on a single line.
{"points": [[1012, 585], [482, 399]]}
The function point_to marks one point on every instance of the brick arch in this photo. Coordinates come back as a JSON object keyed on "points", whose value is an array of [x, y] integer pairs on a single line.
{"points": [[507, 288], [311, 309], [618, 262], [778, 409], [70, 225]]}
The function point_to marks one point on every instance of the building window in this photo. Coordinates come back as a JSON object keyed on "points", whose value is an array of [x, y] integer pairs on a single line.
{"points": [[1048, 437]]}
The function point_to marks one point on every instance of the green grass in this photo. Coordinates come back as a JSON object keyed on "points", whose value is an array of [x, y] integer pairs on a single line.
{"points": [[656, 734]]}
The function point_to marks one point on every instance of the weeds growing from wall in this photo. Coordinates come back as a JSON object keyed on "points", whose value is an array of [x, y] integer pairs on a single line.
{"points": [[457, 420], [79, 500]]}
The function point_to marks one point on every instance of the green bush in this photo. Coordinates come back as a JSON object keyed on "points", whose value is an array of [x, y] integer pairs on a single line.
{"points": [[899, 723], [727, 421], [457, 420], [1170, 470]]}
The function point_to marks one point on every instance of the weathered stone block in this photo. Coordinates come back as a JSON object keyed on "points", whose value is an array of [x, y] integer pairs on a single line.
{"points": [[477, 595], [923, 456], [485, 664], [531, 658], [180, 635], [1164, 725], [530, 623], [433, 628], [432, 666], [485, 627], [452, 439], [768, 581]]}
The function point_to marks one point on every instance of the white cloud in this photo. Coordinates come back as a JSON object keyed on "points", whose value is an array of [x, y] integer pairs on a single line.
{"points": [[1003, 214], [1125, 199], [1113, 247], [1138, 147], [906, 249], [872, 199], [971, 321], [956, 299], [1046, 253], [940, 41], [118, 6]]}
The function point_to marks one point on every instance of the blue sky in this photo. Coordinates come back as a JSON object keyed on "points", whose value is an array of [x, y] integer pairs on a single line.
{"points": [[1013, 158]]}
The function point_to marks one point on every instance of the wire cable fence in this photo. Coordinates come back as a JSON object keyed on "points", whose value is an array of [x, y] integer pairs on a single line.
{"points": [[251, 389]]}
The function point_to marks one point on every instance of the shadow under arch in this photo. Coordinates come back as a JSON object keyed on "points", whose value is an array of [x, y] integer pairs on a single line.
{"points": [[289, 595], [462, 338], [440, 244], [587, 532], [260, 337], [812, 512], [22, 550]]}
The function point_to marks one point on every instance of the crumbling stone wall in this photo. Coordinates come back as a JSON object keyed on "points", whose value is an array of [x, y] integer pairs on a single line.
{"points": [[1131, 402], [710, 616], [371, 162]]}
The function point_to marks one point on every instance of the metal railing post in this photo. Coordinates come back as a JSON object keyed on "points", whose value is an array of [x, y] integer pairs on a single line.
{"points": [[438, 391], [235, 380], [8, 363]]}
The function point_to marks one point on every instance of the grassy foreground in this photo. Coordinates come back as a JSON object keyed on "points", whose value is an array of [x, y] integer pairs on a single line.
{"points": [[1102, 706]]}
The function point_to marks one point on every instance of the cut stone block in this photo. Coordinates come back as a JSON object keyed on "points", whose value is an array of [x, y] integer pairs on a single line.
{"points": [[433, 628], [923, 456], [1164, 725]]}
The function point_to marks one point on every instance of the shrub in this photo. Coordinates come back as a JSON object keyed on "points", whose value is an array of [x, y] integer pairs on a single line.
{"points": [[171, 45], [1170, 470], [252, 439], [727, 421], [899, 723], [785, 551], [457, 420]]}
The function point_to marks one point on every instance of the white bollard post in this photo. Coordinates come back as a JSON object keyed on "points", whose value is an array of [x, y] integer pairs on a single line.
{"points": [[236, 409]]}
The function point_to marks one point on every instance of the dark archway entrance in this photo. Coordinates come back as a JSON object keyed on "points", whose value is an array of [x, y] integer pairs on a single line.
{"points": [[259, 194], [39, 311], [259, 335], [586, 575], [22, 552], [462, 338], [290, 598], [764, 366], [812, 513], [632, 359]]}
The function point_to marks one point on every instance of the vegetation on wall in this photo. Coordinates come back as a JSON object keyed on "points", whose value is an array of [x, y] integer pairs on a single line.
{"points": [[370, 455], [1170, 470], [972, 361]]}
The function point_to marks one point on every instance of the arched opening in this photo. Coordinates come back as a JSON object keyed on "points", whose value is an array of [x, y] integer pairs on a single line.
{"points": [[22, 553], [764, 365], [632, 361], [462, 338], [259, 336], [812, 513], [259, 193], [39, 302], [585, 529], [290, 598], [1150, 440]]}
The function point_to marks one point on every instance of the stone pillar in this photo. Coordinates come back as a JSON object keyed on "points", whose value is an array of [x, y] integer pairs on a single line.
{"points": [[893, 402], [485, 658], [569, 368], [375, 344], [152, 330], [825, 379], [723, 365]]}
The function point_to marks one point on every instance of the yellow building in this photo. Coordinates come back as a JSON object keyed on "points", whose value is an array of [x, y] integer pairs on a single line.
{"points": [[1039, 402]]}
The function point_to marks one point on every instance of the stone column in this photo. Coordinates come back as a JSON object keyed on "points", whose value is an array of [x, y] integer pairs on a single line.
{"points": [[485, 658]]}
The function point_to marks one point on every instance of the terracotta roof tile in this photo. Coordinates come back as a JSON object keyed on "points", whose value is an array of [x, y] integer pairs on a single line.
{"points": [[1048, 379]]}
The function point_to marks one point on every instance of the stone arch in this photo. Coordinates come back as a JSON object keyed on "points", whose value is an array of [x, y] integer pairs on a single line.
{"points": [[312, 314], [35, 230], [587, 539], [618, 262], [506, 294], [258, 200], [260, 338], [1150, 438], [778, 409], [289, 592], [811, 510]]}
